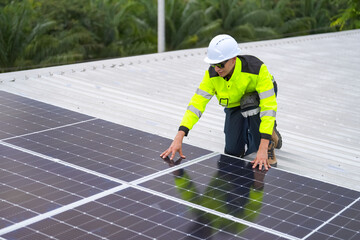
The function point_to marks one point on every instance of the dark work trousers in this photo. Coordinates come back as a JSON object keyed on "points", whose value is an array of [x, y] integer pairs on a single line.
{"points": [[241, 132]]}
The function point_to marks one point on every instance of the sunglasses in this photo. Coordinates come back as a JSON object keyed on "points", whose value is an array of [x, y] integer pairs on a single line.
{"points": [[220, 65]]}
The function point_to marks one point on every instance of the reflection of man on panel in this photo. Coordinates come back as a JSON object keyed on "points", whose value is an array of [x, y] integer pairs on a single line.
{"points": [[235, 189]]}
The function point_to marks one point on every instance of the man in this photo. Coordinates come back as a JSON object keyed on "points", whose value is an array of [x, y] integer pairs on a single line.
{"points": [[243, 85]]}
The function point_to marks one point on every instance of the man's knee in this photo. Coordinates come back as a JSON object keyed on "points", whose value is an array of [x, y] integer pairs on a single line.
{"points": [[234, 152]]}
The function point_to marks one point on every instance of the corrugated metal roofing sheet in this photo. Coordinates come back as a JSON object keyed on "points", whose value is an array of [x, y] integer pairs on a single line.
{"points": [[318, 99]]}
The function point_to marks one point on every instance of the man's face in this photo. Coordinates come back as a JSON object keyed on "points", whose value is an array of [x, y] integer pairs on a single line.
{"points": [[224, 68]]}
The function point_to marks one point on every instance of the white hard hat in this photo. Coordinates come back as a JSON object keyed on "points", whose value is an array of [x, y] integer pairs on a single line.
{"points": [[221, 48]]}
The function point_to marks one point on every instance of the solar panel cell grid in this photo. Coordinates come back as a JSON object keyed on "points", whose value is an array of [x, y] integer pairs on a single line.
{"points": [[295, 208], [32, 185], [346, 225], [20, 116], [125, 215], [60, 171], [88, 146]]}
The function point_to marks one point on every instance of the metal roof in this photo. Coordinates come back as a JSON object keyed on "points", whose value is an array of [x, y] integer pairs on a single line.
{"points": [[318, 100]]}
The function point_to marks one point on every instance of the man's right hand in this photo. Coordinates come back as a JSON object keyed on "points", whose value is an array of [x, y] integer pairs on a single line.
{"points": [[176, 146]]}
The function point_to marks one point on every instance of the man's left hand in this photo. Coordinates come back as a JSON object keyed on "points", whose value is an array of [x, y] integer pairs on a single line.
{"points": [[262, 155]]}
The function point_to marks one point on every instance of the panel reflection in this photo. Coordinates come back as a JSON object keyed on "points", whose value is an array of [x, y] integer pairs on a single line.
{"points": [[234, 188], [274, 199]]}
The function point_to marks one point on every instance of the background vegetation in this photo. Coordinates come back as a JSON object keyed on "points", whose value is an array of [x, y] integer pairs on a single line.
{"points": [[38, 33]]}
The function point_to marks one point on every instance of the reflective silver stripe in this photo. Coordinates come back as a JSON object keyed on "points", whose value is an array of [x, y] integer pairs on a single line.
{"points": [[269, 113], [203, 93], [194, 110], [267, 93], [251, 112]]}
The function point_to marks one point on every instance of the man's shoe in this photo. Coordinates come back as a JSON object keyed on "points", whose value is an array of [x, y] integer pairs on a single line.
{"points": [[271, 154], [276, 138]]}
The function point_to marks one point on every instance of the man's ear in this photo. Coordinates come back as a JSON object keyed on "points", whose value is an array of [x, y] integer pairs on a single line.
{"points": [[234, 59]]}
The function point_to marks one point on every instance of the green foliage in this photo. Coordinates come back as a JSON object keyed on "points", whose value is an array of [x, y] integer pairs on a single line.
{"points": [[38, 33], [17, 29], [350, 17]]}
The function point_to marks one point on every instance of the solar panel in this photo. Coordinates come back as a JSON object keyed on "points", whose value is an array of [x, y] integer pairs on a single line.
{"points": [[65, 175], [283, 201], [22, 115]]}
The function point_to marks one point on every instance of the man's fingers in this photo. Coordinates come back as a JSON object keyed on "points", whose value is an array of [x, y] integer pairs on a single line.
{"points": [[255, 163], [171, 152], [181, 154], [266, 166], [172, 155], [261, 164], [165, 153]]}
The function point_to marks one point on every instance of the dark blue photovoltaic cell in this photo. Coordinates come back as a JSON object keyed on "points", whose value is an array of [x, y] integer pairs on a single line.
{"points": [[133, 214], [278, 200], [19, 115], [345, 226], [31, 185], [105, 147]]}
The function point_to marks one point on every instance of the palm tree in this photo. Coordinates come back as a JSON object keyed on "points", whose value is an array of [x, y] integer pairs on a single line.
{"points": [[18, 30], [3, 3], [47, 32], [307, 17], [184, 24], [348, 18], [244, 20], [69, 40], [111, 23], [223, 17]]}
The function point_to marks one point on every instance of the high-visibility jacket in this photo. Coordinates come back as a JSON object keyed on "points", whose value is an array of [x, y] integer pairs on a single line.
{"points": [[249, 75]]}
